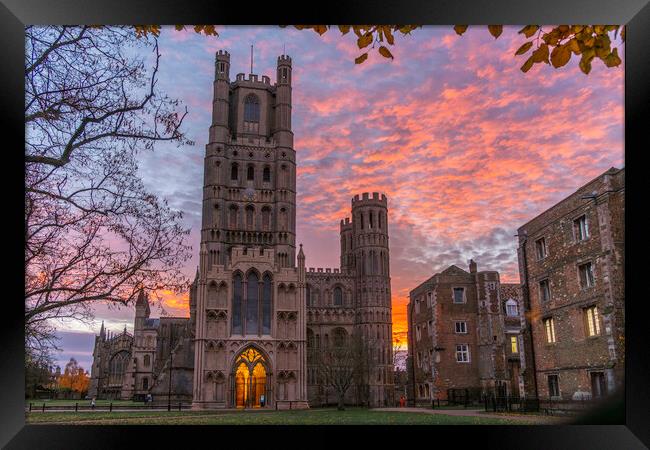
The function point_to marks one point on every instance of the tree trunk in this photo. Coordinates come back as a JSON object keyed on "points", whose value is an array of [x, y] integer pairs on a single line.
{"points": [[341, 405]]}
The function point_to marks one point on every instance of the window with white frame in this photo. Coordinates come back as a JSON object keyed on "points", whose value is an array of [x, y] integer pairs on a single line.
{"points": [[460, 327], [540, 248], [593, 322], [586, 273], [580, 228], [549, 327], [462, 353], [459, 295], [512, 308]]}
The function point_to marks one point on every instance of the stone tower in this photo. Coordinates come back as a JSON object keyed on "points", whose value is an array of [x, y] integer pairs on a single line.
{"points": [[369, 233], [249, 313]]}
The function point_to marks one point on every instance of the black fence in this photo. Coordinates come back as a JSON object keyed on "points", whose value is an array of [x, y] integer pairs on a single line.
{"points": [[42, 407], [546, 406]]}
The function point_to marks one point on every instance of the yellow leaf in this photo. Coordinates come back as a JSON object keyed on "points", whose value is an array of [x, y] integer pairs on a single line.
{"points": [[524, 48], [612, 60], [383, 51], [541, 54], [527, 65], [361, 58], [345, 29], [560, 55], [364, 40], [529, 30], [460, 29], [495, 30], [623, 33], [320, 29], [573, 45], [389, 35], [585, 64], [179, 27]]}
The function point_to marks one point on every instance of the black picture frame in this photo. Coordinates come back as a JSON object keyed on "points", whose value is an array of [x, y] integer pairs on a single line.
{"points": [[624, 425]]}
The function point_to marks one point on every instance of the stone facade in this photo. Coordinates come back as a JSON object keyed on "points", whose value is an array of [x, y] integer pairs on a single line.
{"points": [[127, 366], [571, 264], [459, 337], [256, 312]]}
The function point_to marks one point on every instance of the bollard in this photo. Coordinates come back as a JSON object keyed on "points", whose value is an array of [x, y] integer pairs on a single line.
{"points": [[179, 406], [110, 407], [43, 407], [76, 407], [30, 406]]}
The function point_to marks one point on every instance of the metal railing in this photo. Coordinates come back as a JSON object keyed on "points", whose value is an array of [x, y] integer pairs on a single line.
{"points": [[42, 407]]}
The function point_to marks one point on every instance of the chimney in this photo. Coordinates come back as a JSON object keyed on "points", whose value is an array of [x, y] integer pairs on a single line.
{"points": [[472, 266]]}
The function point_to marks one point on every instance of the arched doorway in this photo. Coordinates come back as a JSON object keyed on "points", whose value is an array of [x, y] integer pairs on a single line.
{"points": [[250, 379]]}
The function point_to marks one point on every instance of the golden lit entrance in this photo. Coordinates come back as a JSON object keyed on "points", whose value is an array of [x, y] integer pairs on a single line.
{"points": [[250, 380]]}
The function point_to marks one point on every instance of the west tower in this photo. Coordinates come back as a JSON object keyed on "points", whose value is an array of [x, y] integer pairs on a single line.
{"points": [[250, 306]]}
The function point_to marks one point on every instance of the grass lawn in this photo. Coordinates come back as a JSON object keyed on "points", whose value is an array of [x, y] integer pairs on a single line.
{"points": [[352, 416]]}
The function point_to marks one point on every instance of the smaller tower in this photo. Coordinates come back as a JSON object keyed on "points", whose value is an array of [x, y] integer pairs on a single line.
{"points": [[282, 132], [102, 333], [219, 132], [347, 246], [142, 311]]}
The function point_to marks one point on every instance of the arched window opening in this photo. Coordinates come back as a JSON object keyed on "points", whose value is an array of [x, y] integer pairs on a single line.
{"points": [[512, 308], [147, 360], [252, 303], [251, 113], [266, 218], [250, 173], [370, 219], [250, 217], [380, 218], [266, 305], [233, 217], [283, 219], [339, 337], [117, 367], [361, 220], [234, 171], [338, 296], [251, 108], [237, 305], [145, 383], [266, 174]]}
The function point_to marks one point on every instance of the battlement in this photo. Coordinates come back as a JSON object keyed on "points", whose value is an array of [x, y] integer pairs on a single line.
{"points": [[253, 78], [256, 254], [365, 198], [323, 270], [222, 54], [286, 59], [346, 224]]}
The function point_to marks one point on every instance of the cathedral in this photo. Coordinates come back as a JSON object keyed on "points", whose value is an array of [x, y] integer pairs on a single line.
{"points": [[259, 317]]}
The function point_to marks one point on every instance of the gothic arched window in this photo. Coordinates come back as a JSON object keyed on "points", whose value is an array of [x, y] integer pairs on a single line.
{"points": [[251, 108], [117, 367], [250, 174], [250, 215], [252, 303], [266, 218], [233, 217], [338, 296], [147, 361], [339, 337], [236, 305], [266, 174], [266, 304], [234, 171], [145, 383], [512, 308]]}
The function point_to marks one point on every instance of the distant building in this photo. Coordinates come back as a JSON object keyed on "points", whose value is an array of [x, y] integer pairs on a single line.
{"points": [[461, 341], [571, 264]]}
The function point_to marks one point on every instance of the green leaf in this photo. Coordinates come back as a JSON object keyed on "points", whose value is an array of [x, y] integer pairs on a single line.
{"points": [[524, 48], [541, 54], [361, 58], [585, 64], [495, 30], [460, 29], [612, 60]]}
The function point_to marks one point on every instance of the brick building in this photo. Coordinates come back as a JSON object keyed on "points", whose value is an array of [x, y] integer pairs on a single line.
{"points": [[460, 338], [572, 277]]}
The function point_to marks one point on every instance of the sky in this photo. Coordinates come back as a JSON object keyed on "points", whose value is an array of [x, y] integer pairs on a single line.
{"points": [[466, 147]]}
